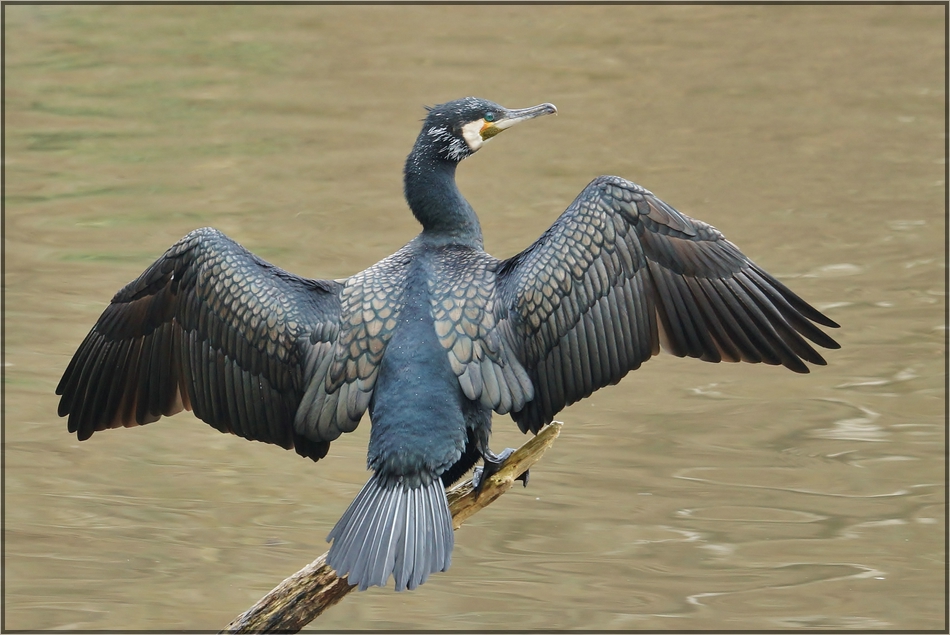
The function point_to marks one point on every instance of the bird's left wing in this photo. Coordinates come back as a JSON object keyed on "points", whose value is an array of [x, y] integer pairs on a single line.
{"points": [[620, 273]]}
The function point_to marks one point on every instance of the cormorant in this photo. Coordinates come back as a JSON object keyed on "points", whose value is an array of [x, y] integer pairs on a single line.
{"points": [[431, 340]]}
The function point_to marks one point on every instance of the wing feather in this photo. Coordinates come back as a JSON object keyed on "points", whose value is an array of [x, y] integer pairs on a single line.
{"points": [[621, 274], [211, 328]]}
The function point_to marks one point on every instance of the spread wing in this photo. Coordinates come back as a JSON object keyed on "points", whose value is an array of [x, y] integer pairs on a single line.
{"points": [[212, 328], [620, 273]]}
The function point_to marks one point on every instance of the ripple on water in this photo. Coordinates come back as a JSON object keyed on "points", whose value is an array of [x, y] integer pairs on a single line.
{"points": [[835, 271], [734, 513], [839, 481], [833, 622], [861, 428]]}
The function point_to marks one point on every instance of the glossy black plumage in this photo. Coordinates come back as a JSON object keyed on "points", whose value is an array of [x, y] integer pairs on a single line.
{"points": [[211, 328], [430, 340], [621, 273]]}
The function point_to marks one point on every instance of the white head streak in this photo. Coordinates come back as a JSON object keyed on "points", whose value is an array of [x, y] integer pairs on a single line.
{"points": [[455, 151]]}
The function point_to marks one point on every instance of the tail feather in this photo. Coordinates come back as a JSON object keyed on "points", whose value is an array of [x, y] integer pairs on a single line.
{"points": [[393, 529], [358, 518]]}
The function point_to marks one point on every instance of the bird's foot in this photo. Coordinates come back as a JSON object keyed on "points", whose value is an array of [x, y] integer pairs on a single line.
{"points": [[492, 463]]}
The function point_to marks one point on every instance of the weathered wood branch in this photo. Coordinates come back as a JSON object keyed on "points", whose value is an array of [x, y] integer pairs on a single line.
{"points": [[302, 597]]}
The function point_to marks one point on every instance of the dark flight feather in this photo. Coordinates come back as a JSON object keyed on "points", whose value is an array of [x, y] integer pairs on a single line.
{"points": [[191, 333], [641, 276]]}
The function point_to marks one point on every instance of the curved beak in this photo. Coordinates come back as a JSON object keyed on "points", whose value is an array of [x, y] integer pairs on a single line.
{"points": [[512, 117]]}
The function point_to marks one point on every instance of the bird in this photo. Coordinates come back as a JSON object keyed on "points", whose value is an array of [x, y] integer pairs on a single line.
{"points": [[431, 340]]}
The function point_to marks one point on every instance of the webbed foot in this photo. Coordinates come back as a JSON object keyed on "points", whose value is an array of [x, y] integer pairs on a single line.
{"points": [[491, 464]]}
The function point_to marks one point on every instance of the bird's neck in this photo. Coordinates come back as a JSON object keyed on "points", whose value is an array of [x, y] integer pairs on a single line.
{"points": [[436, 201]]}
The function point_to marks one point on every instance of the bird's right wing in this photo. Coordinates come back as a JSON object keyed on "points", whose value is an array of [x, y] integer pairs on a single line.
{"points": [[212, 328], [620, 273]]}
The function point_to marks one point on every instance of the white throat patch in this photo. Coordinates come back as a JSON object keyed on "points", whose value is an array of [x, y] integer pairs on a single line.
{"points": [[472, 133]]}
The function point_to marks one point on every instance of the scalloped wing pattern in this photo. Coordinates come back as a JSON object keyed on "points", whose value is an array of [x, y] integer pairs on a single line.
{"points": [[341, 387], [462, 293], [620, 274], [208, 327]]}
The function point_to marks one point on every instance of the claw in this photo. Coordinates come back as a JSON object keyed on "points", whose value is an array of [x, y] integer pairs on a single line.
{"points": [[523, 478], [492, 463]]}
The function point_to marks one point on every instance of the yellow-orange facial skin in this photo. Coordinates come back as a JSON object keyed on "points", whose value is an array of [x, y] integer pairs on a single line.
{"points": [[488, 130], [478, 132]]}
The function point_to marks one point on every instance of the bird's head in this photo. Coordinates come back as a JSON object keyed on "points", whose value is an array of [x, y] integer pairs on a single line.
{"points": [[457, 129]]}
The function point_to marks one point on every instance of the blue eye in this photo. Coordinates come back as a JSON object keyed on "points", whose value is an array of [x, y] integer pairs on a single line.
{"points": [[489, 117]]}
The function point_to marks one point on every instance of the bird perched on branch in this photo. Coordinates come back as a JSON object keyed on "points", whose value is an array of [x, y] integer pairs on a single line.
{"points": [[431, 340]]}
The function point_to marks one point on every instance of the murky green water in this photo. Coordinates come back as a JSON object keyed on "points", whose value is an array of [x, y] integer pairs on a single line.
{"points": [[691, 496]]}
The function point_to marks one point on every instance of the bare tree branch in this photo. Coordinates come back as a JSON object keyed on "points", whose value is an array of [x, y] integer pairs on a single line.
{"points": [[302, 597]]}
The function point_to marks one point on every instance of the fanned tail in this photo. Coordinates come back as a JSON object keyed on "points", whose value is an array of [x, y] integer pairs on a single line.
{"points": [[392, 528]]}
